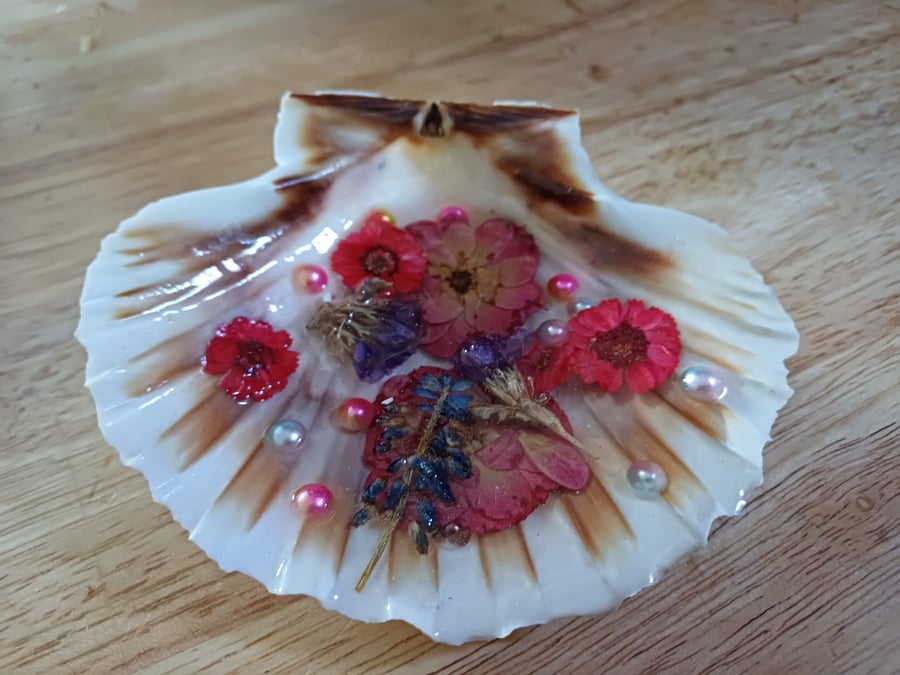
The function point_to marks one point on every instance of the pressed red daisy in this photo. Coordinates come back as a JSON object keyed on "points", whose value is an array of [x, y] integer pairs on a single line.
{"points": [[252, 357], [380, 250], [546, 367], [615, 343]]}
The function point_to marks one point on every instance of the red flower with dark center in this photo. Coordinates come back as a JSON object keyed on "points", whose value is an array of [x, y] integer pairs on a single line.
{"points": [[546, 367], [613, 343], [253, 358], [380, 250]]}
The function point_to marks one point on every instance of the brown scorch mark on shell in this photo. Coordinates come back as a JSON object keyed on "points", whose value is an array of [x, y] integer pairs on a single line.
{"points": [[708, 416], [404, 562], [607, 252], [596, 518], [538, 161], [261, 476], [714, 349], [201, 428], [162, 363], [382, 110], [338, 128], [246, 249], [551, 185], [328, 535], [640, 441], [635, 440], [260, 480], [484, 560], [503, 552], [150, 378], [171, 359], [483, 119]]}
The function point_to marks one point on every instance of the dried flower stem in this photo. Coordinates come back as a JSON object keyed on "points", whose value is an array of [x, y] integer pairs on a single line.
{"points": [[421, 448], [517, 404], [344, 324]]}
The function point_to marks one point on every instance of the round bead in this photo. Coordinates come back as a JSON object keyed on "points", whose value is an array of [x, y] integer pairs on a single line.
{"points": [[563, 287], [452, 214], [310, 279], [553, 333], [703, 384], [381, 217], [286, 435], [647, 479], [456, 535], [355, 414], [579, 305], [313, 499]]}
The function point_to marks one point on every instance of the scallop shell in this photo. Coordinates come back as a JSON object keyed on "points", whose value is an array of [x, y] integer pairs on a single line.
{"points": [[182, 266]]}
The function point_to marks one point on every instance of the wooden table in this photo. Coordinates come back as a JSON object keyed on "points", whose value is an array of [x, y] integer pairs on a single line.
{"points": [[778, 119]]}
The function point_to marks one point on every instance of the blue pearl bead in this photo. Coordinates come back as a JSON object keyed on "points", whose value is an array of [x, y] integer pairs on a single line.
{"points": [[286, 436], [579, 305], [647, 479]]}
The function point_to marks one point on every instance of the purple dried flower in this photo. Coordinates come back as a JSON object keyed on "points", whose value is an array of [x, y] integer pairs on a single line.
{"points": [[396, 339], [482, 354]]}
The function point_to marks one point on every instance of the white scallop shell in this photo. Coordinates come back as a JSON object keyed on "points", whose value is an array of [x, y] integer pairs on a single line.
{"points": [[170, 275]]}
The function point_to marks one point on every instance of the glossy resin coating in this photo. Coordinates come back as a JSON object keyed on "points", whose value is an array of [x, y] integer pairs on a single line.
{"points": [[215, 374]]}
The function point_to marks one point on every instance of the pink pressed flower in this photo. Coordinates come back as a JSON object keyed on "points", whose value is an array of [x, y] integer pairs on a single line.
{"points": [[478, 280]]}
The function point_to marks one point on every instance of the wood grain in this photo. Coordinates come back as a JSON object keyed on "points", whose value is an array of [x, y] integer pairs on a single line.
{"points": [[778, 119]]}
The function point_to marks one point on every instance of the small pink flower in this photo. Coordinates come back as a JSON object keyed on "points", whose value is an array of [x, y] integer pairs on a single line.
{"points": [[478, 280]]}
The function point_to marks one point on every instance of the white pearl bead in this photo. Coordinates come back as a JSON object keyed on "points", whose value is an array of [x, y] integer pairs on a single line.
{"points": [[579, 305], [647, 479], [286, 436], [553, 333], [703, 384]]}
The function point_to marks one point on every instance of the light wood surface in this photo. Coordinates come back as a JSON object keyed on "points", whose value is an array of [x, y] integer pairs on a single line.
{"points": [[780, 120]]}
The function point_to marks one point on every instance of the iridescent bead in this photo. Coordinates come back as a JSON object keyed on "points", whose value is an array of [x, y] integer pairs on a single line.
{"points": [[703, 384], [578, 305], [647, 479], [380, 217], [313, 500], [553, 333], [355, 414], [452, 214], [563, 287], [286, 435], [310, 279]]}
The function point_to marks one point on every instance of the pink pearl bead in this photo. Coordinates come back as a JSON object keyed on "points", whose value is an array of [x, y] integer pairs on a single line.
{"points": [[310, 279], [314, 499], [355, 414], [563, 287], [553, 333], [452, 214]]}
